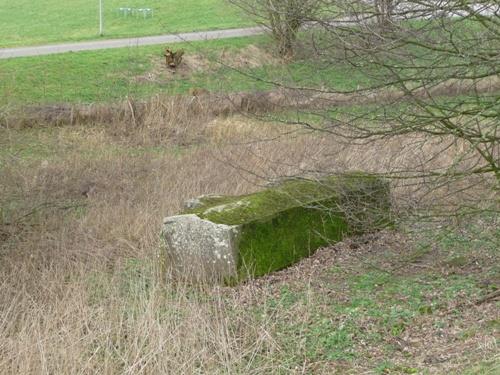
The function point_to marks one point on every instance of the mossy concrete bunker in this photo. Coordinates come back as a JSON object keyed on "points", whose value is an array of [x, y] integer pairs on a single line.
{"points": [[231, 238]]}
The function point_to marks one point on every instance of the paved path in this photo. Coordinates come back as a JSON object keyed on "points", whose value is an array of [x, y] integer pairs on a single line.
{"points": [[7, 53]]}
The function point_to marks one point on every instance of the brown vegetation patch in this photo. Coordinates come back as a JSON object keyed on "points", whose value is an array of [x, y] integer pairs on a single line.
{"points": [[160, 73], [200, 105], [160, 109], [248, 57]]}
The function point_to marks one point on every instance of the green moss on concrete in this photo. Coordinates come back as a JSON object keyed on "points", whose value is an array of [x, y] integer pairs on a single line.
{"points": [[281, 225], [274, 243], [293, 193]]}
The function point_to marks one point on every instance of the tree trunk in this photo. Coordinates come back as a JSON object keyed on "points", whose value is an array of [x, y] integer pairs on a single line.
{"points": [[384, 11]]}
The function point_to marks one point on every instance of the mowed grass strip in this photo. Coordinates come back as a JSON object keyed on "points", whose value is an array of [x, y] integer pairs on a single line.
{"points": [[26, 22]]}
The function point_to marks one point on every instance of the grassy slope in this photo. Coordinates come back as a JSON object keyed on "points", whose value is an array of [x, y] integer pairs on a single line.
{"points": [[390, 308], [100, 76], [390, 303], [27, 22], [92, 76]]}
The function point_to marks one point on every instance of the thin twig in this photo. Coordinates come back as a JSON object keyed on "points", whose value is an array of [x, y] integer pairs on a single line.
{"points": [[489, 297]]}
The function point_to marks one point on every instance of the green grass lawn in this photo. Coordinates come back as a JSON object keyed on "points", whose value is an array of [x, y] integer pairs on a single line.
{"points": [[109, 75], [27, 22]]}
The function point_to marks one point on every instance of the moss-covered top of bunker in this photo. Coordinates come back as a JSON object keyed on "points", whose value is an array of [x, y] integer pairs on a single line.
{"points": [[237, 210]]}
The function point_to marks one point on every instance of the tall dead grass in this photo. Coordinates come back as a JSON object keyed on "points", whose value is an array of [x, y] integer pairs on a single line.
{"points": [[79, 236]]}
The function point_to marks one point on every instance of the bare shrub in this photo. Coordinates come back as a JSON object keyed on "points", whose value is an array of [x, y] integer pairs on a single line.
{"points": [[424, 70]]}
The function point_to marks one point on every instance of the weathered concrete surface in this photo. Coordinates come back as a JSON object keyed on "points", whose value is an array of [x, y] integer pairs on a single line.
{"points": [[232, 238], [200, 248]]}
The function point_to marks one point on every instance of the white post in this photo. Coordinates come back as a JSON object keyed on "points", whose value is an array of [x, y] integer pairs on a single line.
{"points": [[101, 21]]}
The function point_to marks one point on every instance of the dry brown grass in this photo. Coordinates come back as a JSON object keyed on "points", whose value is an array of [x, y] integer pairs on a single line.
{"points": [[80, 225], [71, 298], [184, 112]]}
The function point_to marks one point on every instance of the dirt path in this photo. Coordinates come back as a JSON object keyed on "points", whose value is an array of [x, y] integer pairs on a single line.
{"points": [[7, 53]]}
